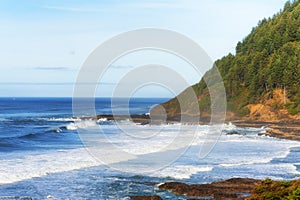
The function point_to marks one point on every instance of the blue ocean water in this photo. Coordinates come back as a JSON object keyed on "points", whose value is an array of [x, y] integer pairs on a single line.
{"points": [[42, 155], [33, 123]]}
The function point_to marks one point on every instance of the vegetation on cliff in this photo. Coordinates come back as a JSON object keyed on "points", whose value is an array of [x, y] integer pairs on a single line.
{"points": [[265, 69], [269, 189], [238, 188]]}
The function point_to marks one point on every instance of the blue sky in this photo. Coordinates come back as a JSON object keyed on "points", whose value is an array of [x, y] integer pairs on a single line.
{"points": [[44, 42]]}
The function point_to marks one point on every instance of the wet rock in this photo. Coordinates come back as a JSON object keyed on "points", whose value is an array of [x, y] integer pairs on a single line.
{"points": [[236, 188], [235, 133], [145, 198]]}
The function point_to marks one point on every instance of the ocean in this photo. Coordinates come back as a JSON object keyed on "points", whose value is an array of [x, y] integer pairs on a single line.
{"points": [[42, 156]]}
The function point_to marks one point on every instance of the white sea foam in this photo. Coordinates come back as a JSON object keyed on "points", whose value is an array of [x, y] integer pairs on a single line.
{"points": [[181, 171], [229, 126], [287, 167], [258, 161], [251, 151], [86, 123], [71, 127], [58, 130], [13, 170], [140, 140], [230, 151], [102, 120], [38, 165], [274, 171], [81, 124], [3, 119], [61, 119]]}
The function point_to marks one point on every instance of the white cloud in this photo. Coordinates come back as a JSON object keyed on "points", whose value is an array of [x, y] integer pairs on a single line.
{"points": [[74, 9], [54, 84], [121, 67], [51, 68]]}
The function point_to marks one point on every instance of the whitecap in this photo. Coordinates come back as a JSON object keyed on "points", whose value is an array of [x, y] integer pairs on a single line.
{"points": [[61, 119], [71, 127], [4, 120], [86, 123], [81, 124], [102, 120], [182, 171], [58, 130], [229, 126], [12, 170]]}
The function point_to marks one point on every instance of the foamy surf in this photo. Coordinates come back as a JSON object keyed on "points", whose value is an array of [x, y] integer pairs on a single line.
{"points": [[230, 151], [181, 171], [4, 120], [261, 160], [60, 119], [80, 124], [30, 166]]}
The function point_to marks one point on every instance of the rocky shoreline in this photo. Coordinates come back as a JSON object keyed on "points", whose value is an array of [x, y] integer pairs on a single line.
{"points": [[144, 119], [285, 129], [139, 119], [235, 188]]}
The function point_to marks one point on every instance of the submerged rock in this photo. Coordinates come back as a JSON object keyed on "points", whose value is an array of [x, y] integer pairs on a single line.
{"points": [[145, 198], [235, 133]]}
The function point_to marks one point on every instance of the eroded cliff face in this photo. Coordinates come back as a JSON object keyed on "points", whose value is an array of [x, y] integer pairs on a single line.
{"points": [[268, 109], [271, 109]]}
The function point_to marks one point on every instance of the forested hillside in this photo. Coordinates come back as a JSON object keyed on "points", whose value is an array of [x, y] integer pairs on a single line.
{"points": [[264, 73]]}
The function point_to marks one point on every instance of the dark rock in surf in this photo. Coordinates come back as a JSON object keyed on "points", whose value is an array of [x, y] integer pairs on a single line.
{"points": [[145, 198], [235, 133]]}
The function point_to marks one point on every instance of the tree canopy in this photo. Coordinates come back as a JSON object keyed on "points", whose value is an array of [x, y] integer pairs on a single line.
{"points": [[265, 60]]}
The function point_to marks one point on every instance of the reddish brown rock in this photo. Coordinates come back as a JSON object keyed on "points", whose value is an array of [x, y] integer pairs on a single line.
{"points": [[145, 198], [285, 129], [235, 188]]}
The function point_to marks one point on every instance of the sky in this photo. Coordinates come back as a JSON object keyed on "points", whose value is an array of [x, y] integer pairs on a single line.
{"points": [[44, 43]]}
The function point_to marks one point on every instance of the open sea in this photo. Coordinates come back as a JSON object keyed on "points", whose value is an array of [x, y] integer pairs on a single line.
{"points": [[42, 155]]}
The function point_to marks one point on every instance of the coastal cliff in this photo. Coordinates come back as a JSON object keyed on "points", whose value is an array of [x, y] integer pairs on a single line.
{"points": [[262, 78]]}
